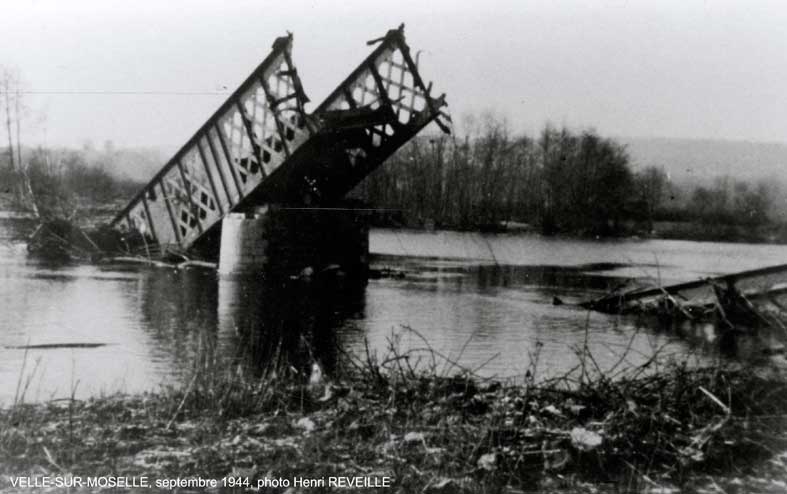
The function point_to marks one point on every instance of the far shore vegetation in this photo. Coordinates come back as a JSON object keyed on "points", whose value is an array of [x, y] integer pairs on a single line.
{"points": [[65, 182], [489, 179], [565, 182]]}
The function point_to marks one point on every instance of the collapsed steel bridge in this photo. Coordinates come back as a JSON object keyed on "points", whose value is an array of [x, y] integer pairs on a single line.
{"points": [[262, 147]]}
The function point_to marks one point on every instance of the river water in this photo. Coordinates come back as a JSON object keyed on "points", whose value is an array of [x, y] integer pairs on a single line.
{"points": [[482, 302]]}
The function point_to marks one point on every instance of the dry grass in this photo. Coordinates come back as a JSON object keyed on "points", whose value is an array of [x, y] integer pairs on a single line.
{"points": [[429, 429]]}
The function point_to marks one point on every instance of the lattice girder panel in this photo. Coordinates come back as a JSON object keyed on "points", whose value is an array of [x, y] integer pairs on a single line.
{"points": [[243, 157], [222, 157], [389, 76], [220, 172], [260, 145], [380, 106], [184, 212], [290, 119], [386, 87], [159, 213], [200, 186], [150, 217], [265, 132], [139, 220], [248, 137]]}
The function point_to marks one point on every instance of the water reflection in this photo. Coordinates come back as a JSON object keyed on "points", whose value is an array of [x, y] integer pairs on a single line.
{"points": [[160, 324], [47, 304], [500, 320], [198, 319], [178, 310], [289, 324]]}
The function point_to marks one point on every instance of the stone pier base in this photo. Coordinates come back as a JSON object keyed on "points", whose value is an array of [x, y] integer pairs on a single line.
{"points": [[291, 242]]}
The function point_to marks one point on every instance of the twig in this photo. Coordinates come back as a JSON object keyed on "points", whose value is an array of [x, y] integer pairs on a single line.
{"points": [[715, 400], [183, 401]]}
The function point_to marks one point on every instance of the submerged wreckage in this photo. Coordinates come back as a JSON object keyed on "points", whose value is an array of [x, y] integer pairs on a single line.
{"points": [[752, 301]]}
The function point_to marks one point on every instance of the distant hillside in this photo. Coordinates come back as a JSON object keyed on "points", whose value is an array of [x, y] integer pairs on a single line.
{"points": [[690, 160]]}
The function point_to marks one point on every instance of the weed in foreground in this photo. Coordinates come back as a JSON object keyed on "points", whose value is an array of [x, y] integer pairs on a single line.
{"points": [[422, 419]]}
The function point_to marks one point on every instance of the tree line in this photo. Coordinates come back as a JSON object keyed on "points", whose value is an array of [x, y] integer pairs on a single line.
{"points": [[50, 182], [62, 181], [561, 181]]}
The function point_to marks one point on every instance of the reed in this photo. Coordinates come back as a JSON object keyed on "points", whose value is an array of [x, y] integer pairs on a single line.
{"points": [[426, 421]]}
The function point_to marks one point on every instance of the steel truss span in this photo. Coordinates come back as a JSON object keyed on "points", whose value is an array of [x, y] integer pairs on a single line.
{"points": [[262, 147]]}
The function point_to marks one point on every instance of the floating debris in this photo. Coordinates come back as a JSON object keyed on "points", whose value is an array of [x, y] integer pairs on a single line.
{"points": [[749, 302], [766, 282], [51, 346]]}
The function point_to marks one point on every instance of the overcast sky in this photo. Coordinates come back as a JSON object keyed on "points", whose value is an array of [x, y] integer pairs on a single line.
{"points": [[688, 68]]}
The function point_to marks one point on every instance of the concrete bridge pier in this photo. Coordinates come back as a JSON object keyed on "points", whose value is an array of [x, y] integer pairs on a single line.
{"points": [[276, 241]]}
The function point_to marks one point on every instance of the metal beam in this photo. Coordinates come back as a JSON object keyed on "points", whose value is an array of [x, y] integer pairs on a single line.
{"points": [[172, 217], [434, 105], [149, 219], [380, 85], [250, 133], [349, 97], [192, 207], [273, 105], [227, 154], [210, 178], [281, 47], [217, 162]]}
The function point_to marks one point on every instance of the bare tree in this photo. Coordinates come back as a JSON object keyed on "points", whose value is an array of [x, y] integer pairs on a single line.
{"points": [[6, 89], [652, 184], [12, 104]]}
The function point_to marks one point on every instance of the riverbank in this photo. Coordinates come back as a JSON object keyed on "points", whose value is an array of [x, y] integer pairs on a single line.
{"points": [[678, 429], [696, 231], [718, 232], [9, 209]]}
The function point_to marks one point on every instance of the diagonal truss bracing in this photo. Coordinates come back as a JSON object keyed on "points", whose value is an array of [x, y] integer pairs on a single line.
{"points": [[244, 141], [387, 88], [261, 146]]}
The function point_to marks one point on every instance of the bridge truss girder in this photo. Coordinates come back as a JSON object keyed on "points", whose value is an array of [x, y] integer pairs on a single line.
{"points": [[261, 146]]}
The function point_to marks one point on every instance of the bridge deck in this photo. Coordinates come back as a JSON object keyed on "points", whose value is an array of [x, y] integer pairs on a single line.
{"points": [[262, 147]]}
